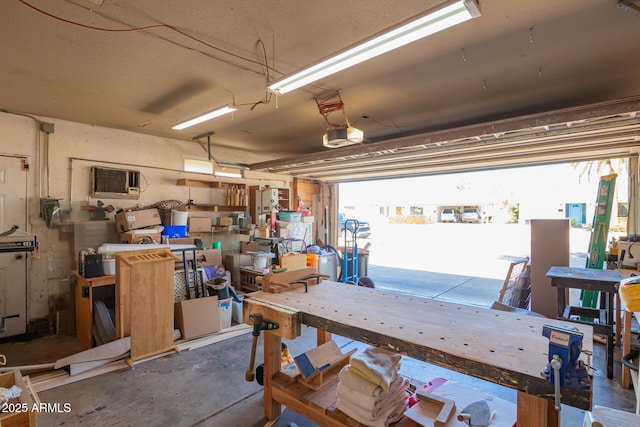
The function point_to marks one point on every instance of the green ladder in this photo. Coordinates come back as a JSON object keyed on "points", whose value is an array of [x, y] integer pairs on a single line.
{"points": [[599, 235]]}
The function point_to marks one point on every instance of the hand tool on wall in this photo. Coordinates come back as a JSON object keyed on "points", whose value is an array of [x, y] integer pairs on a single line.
{"points": [[259, 324]]}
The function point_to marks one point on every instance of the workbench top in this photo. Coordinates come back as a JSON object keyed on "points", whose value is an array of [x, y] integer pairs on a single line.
{"points": [[501, 347]]}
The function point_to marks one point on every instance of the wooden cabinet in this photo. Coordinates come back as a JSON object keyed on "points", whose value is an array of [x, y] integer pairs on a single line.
{"points": [[144, 303], [85, 288]]}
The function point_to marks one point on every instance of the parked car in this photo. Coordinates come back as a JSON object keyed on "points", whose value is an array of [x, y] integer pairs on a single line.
{"points": [[364, 228], [448, 215], [472, 215]]}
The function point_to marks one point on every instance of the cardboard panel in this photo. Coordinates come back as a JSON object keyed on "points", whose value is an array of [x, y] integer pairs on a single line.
{"points": [[197, 317]]}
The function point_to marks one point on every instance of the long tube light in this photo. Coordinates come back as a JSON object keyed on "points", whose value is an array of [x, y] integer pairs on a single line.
{"points": [[443, 17], [203, 118]]}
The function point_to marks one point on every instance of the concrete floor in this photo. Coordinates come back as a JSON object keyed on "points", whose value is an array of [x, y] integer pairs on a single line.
{"points": [[206, 386]]}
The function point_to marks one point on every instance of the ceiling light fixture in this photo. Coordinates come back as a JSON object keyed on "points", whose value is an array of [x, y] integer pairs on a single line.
{"points": [[438, 19], [203, 118]]}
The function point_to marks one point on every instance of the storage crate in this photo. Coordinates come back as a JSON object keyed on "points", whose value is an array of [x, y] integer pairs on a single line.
{"points": [[24, 404], [180, 288]]}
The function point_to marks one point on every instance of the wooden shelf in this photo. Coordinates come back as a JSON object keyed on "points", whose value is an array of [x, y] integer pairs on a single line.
{"points": [[214, 208], [209, 184]]}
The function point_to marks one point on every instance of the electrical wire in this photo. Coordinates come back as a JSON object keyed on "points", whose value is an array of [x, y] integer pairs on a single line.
{"points": [[266, 67], [150, 27]]}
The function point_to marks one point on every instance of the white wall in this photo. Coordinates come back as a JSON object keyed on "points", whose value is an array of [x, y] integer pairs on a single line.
{"points": [[60, 165]]}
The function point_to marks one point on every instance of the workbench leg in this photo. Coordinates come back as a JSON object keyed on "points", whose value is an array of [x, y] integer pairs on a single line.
{"points": [[610, 338], [618, 320], [272, 353], [323, 337], [535, 411], [626, 347]]}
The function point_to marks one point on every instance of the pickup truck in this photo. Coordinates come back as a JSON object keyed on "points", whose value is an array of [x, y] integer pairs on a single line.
{"points": [[363, 232]]}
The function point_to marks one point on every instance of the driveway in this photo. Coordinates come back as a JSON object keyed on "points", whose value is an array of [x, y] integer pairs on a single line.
{"points": [[464, 263]]}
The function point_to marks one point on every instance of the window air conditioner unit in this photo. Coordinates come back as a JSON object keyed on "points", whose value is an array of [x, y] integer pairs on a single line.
{"points": [[108, 183]]}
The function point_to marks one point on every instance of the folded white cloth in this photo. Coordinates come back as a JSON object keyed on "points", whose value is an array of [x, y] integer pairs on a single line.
{"points": [[357, 383], [390, 416], [375, 405], [377, 365]]}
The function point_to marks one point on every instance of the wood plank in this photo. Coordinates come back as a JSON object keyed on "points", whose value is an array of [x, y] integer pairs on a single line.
{"points": [[288, 321], [453, 336]]}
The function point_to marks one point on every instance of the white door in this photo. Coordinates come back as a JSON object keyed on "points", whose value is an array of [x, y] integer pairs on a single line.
{"points": [[13, 265]]}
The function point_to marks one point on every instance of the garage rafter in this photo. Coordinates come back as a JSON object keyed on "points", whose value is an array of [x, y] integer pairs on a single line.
{"points": [[592, 132]]}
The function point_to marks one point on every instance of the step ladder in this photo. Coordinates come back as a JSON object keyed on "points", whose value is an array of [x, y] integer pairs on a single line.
{"points": [[599, 235]]}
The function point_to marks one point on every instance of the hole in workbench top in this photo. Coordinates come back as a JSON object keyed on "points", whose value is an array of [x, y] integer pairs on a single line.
{"points": [[521, 349], [442, 338], [492, 351], [420, 332]]}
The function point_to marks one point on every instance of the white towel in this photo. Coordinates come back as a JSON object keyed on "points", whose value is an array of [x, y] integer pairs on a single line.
{"points": [[390, 416], [375, 405], [377, 365], [358, 383]]}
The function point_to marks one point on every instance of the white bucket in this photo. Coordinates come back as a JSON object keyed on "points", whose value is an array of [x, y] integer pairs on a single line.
{"points": [[109, 266], [260, 262], [179, 217]]}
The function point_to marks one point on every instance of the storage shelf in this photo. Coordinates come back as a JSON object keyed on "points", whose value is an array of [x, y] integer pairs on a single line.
{"points": [[209, 184], [214, 208]]}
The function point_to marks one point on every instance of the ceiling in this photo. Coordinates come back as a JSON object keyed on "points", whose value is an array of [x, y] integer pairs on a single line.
{"points": [[443, 94]]}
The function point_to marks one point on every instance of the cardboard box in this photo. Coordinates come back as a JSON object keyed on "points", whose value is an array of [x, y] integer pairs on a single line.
{"points": [[199, 224], [141, 236], [248, 247], [197, 317], [25, 416], [132, 220], [293, 261], [225, 313], [210, 257], [181, 241], [307, 219], [225, 221]]}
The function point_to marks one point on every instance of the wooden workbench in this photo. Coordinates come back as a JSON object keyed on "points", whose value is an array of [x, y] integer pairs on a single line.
{"points": [[504, 348]]}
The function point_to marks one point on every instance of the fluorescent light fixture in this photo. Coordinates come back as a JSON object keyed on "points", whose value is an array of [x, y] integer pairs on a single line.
{"points": [[229, 173], [203, 118], [438, 19]]}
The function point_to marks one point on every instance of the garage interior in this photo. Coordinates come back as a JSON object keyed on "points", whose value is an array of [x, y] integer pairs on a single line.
{"points": [[92, 93]]}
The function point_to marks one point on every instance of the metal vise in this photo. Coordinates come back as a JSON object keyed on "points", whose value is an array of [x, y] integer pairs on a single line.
{"points": [[564, 368]]}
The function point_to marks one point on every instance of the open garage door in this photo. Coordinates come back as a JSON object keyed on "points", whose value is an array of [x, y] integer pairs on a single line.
{"points": [[600, 131]]}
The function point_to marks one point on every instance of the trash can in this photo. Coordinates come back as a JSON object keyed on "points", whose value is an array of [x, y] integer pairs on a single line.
{"points": [[328, 264]]}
